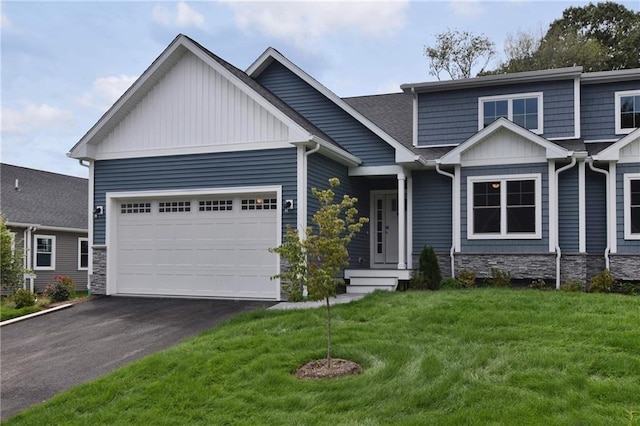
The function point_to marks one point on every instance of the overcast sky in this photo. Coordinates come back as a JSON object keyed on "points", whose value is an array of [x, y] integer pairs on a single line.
{"points": [[65, 63]]}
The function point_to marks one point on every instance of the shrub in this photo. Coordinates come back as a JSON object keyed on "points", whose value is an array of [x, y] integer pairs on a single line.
{"points": [[602, 282], [574, 285], [539, 284], [23, 298], [450, 282], [500, 278], [629, 288], [62, 289], [467, 278], [428, 275]]}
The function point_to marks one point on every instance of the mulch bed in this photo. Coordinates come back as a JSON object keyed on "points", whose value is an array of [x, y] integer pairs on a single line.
{"points": [[319, 369]]}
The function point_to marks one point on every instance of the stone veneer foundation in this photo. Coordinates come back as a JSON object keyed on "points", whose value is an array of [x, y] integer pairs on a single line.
{"points": [[98, 280]]}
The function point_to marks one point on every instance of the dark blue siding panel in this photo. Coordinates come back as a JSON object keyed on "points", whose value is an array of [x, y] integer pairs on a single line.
{"points": [[624, 246], [327, 116], [432, 211], [596, 214], [506, 246], [449, 118], [569, 230], [597, 109], [319, 170], [217, 170]]}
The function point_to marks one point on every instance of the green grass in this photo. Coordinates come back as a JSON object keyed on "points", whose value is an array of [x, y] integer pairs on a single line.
{"points": [[488, 356], [7, 311]]}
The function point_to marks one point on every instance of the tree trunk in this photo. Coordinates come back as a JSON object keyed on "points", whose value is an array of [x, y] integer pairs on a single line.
{"points": [[328, 333]]}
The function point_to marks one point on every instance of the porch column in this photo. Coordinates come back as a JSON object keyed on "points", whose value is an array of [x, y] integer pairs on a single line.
{"points": [[402, 231]]}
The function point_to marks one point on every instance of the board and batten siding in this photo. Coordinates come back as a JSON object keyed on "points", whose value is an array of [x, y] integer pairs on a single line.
{"points": [[624, 246], [192, 106], [596, 214], [597, 109], [451, 117], [505, 245], [568, 213], [196, 171], [319, 170], [327, 116], [432, 211]]}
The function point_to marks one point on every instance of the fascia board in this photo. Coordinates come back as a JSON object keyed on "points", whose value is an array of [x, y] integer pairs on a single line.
{"points": [[612, 152], [271, 54]]}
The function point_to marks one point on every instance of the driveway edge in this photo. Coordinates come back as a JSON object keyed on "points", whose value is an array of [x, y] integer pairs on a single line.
{"points": [[35, 314]]}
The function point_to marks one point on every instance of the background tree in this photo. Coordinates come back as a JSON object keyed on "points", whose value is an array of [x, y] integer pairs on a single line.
{"points": [[316, 261], [11, 269], [458, 53]]}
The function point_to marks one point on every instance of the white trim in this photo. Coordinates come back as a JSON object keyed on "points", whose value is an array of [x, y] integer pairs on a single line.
{"points": [[409, 220], [336, 153], [80, 241], [46, 228], [440, 145], [553, 206], [612, 152], [301, 189], [52, 267], [510, 98], [618, 95], [375, 170], [402, 216], [628, 177], [503, 235], [613, 221], [372, 232], [600, 140], [112, 199], [91, 219], [414, 124], [582, 209], [577, 125], [457, 207]]}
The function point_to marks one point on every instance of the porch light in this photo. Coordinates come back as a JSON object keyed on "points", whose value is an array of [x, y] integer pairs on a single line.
{"points": [[259, 201], [495, 185]]}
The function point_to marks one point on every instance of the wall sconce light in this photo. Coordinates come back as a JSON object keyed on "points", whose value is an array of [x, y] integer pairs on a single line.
{"points": [[288, 205], [495, 185], [259, 201], [98, 211]]}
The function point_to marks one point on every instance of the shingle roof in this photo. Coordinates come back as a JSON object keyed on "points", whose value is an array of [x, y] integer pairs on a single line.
{"points": [[43, 198]]}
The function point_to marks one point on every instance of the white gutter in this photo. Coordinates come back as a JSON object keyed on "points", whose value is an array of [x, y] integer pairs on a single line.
{"points": [[453, 216], [557, 221], [606, 173], [46, 228]]}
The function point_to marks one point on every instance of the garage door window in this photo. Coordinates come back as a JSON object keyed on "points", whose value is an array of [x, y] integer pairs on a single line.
{"points": [[215, 205], [135, 208], [174, 206], [260, 204]]}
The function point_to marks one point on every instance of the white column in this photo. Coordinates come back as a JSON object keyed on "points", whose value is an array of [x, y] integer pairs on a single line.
{"points": [[553, 210], [582, 213], [612, 208], [301, 189], [402, 230], [409, 221]]}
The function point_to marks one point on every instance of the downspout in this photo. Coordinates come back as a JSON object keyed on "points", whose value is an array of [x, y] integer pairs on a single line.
{"points": [[453, 221], [606, 173], [556, 225]]}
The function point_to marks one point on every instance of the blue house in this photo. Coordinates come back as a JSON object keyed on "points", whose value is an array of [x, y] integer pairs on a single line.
{"points": [[199, 167]]}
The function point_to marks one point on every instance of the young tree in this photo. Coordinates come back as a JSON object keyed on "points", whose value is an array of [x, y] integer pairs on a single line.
{"points": [[11, 269], [458, 53], [316, 259]]}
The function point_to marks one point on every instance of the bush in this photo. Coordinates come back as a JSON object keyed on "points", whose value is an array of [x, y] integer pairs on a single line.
{"points": [[629, 288], [428, 275], [451, 283], [574, 285], [467, 278], [539, 284], [23, 298], [500, 278], [602, 282], [62, 289]]}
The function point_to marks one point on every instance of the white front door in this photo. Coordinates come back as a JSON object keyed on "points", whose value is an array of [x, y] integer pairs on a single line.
{"points": [[385, 229]]}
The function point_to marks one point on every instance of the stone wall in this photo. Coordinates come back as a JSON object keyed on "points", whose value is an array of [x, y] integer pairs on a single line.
{"points": [[523, 266], [625, 266], [98, 280]]}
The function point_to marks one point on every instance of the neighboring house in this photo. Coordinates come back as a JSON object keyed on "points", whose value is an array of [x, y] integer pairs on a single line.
{"points": [[199, 168], [47, 213]]}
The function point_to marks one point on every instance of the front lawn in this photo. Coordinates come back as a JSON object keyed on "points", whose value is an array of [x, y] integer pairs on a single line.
{"points": [[9, 311], [486, 356]]}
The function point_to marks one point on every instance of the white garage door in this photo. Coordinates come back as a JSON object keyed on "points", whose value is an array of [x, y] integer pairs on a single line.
{"points": [[205, 246]]}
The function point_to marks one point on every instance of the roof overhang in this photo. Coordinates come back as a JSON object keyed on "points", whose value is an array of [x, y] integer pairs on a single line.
{"points": [[610, 76], [612, 152], [39, 227], [329, 150]]}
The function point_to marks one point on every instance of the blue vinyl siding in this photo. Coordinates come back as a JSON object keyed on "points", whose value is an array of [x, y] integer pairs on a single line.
{"points": [[451, 117], [597, 109], [327, 116], [568, 212], [624, 246], [319, 170], [503, 245], [217, 170], [596, 214], [432, 211]]}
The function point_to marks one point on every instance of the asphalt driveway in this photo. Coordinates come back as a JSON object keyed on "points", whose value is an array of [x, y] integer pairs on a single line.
{"points": [[51, 353]]}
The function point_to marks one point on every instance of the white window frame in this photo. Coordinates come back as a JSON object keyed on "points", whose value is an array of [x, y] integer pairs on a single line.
{"points": [[35, 252], [504, 235], [618, 112], [628, 177], [481, 100], [80, 241]]}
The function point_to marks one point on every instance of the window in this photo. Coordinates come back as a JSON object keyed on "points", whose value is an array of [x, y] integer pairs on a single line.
{"points": [[174, 206], [83, 254], [504, 207], [259, 204], [135, 208], [632, 206], [45, 253], [215, 205], [627, 111], [523, 109]]}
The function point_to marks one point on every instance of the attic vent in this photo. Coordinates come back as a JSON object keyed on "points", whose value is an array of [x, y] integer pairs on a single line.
{"points": [[17, 187]]}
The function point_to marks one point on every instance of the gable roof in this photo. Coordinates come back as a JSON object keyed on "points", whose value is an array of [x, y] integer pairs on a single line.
{"points": [[403, 153], [36, 197], [552, 150], [612, 152], [182, 44]]}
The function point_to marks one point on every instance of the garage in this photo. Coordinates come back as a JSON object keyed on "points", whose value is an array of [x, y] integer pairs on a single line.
{"points": [[195, 245]]}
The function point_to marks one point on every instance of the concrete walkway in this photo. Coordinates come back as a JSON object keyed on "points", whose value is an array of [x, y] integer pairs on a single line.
{"points": [[341, 298]]}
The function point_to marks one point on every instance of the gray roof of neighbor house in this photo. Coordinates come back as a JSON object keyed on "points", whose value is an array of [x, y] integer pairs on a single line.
{"points": [[43, 198]]}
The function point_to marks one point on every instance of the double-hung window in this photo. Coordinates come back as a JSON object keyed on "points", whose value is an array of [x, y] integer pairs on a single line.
{"points": [[504, 207], [83, 254], [45, 252], [524, 109], [632, 206], [627, 111]]}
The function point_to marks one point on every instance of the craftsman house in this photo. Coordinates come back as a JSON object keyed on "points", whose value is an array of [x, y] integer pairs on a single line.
{"points": [[199, 167]]}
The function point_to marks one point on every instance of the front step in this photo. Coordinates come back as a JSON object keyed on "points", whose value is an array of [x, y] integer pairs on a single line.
{"points": [[360, 285]]}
